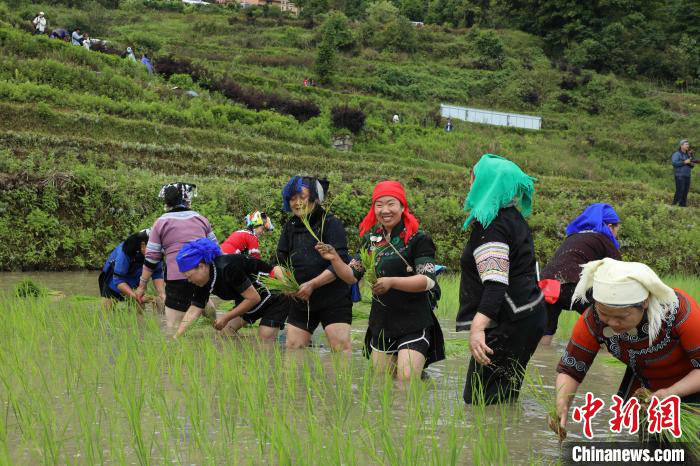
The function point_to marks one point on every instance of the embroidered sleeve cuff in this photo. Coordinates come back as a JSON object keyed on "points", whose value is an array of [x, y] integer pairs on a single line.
{"points": [[572, 366], [492, 262]]}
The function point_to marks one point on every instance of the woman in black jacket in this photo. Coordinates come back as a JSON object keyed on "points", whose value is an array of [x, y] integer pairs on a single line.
{"points": [[322, 298], [403, 332], [500, 302]]}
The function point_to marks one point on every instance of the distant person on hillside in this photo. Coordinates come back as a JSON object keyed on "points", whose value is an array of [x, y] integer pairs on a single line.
{"points": [[306, 82], [246, 241], [682, 164], [86, 41], [130, 54], [39, 23], [76, 37], [395, 119], [121, 273], [147, 63], [591, 236], [59, 33], [448, 126]]}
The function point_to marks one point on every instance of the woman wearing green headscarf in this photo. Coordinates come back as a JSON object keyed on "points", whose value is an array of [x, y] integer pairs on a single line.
{"points": [[499, 301]]}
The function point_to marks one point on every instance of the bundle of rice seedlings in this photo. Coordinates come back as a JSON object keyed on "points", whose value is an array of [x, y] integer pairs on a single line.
{"points": [[690, 423], [29, 289], [547, 400], [367, 258], [284, 283]]}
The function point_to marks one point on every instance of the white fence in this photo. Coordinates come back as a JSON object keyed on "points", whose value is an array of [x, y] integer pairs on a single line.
{"points": [[475, 115]]}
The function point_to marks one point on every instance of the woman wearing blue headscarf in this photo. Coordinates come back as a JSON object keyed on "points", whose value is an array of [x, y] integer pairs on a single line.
{"points": [[322, 298], [591, 236], [231, 277]]}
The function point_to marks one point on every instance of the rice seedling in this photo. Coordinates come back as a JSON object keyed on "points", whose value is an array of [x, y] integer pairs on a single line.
{"points": [[369, 264], [306, 221], [689, 421], [284, 283], [28, 289], [546, 399]]}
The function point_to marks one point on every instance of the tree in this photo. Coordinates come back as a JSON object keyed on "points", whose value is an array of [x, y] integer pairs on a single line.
{"points": [[491, 51], [399, 35], [334, 25], [337, 26]]}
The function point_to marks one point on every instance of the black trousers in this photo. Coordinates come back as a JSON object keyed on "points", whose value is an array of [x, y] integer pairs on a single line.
{"points": [[513, 344], [682, 188]]}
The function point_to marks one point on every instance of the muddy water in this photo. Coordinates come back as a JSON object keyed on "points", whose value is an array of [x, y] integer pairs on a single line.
{"points": [[526, 431]]}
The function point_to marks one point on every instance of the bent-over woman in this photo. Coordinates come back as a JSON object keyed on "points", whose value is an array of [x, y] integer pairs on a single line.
{"points": [[499, 300], [591, 236], [122, 271], [403, 331], [246, 241], [231, 277], [653, 329]]}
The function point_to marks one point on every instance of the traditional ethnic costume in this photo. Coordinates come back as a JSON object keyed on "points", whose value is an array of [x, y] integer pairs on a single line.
{"points": [[399, 319], [588, 238], [230, 275], [169, 233], [330, 303], [659, 352], [499, 278]]}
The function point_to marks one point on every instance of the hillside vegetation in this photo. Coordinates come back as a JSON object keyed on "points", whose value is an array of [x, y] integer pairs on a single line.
{"points": [[87, 138]]}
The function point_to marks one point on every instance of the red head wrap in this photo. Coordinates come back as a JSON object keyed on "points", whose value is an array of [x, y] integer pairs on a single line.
{"points": [[393, 189]]}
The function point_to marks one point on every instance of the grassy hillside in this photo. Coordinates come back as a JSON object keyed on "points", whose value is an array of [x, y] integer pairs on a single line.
{"points": [[86, 138]]}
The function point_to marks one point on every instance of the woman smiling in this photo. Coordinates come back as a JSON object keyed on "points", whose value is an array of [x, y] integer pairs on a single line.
{"points": [[403, 332], [321, 298]]}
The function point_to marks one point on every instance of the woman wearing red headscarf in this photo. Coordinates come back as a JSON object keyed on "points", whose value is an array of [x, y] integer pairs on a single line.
{"points": [[403, 330]]}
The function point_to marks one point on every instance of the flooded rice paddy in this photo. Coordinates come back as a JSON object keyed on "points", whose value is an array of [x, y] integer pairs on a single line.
{"points": [[81, 386]]}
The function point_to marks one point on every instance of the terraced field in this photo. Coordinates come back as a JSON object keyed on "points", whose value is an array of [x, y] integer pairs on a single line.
{"points": [[86, 138]]}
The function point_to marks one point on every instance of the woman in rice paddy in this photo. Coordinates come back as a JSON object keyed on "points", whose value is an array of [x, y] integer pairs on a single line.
{"points": [[403, 331], [499, 300], [321, 297], [652, 328]]}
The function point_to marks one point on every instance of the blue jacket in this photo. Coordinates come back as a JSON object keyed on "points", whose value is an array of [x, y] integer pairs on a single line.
{"points": [[147, 63], [680, 168], [126, 270]]}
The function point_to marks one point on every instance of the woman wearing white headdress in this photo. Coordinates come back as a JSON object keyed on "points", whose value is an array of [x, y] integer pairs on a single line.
{"points": [[653, 329]]}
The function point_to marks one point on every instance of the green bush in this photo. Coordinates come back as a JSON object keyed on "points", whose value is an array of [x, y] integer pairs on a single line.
{"points": [[490, 50], [144, 42]]}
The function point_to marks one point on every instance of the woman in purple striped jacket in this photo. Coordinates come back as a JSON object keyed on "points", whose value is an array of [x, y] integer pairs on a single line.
{"points": [[177, 226]]}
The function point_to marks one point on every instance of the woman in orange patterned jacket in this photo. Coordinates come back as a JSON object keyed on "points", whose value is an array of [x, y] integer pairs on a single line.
{"points": [[653, 329]]}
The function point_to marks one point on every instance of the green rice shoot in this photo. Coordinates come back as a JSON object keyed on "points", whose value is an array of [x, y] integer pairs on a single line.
{"points": [[546, 399], [690, 423], [306, 221], [367, 258], [307, 224], [285, 283]]}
